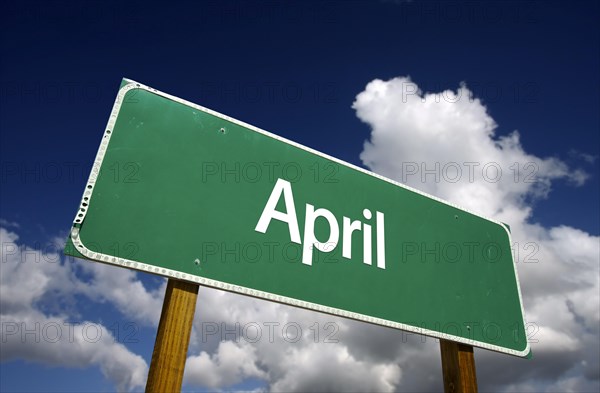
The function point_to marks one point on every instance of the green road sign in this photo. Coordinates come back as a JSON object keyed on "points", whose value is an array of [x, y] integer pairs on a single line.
{"points": [[184, 192]]}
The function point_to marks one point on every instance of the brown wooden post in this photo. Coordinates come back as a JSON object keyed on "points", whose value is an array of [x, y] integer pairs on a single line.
{"points": [[173, 337], [458, 367]]}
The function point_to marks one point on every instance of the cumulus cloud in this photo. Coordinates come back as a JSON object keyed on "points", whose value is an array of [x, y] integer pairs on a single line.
{"points": [[37, 288], [332, 368], [123, 289], [446, 144], [289, 349], [232, 362]]}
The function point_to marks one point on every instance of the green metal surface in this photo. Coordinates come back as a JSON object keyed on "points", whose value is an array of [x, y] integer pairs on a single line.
{"points": [[183, 189]]}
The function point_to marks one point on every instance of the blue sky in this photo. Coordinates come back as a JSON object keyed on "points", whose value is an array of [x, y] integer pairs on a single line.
{"points": [[294, 69]]}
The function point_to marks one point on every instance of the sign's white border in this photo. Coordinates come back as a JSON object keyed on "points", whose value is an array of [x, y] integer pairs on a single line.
{"points": [[100, 257]]}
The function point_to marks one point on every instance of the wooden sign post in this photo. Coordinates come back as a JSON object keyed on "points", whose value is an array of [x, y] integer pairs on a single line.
{"points": [[458, 367], [173, 337]]}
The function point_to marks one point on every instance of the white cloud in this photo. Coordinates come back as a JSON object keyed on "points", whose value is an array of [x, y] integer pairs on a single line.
{"points": [[231, 363], [317, 367], [35, 337], [445, 144], [290, 349], [414, 132], [125, 291], [36, 289]]}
